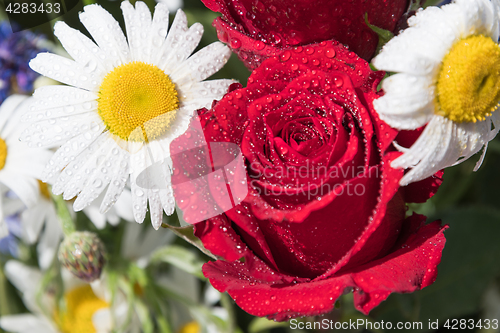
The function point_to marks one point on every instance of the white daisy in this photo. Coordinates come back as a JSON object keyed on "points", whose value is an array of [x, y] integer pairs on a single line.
{"points": [[85, 305], [41, 224], [127, 100], [448, 65], [20, 166]]}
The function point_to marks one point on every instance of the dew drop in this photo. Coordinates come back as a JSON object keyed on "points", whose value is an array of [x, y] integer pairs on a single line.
{"points": [[259, 45], [330, 53], [235, 43], [285, 56]]}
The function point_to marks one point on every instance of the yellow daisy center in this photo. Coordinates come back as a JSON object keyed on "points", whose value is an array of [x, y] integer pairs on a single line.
{"points": [[468, 86], [137, 101], [44, 189], [81, 304], [191, 327], [3, 153]]}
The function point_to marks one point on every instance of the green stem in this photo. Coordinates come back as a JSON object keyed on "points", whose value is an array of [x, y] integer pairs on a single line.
{"points": [[4, 302], [67, 223], [227, 303]]}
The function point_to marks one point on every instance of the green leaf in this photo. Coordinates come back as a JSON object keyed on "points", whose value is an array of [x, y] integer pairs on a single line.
{"points": [[383, 35], [10, 302], [187, 233], [179, 257], [263, 324], [414, 5], [144, 316], [428, 3]]}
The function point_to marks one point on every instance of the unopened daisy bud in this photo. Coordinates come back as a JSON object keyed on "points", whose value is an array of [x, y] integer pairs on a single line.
{"points": [[83, 254]]}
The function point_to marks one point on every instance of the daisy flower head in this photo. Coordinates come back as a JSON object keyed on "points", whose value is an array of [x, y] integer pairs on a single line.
{"points": [[20, 166], [448, 78], [125, 100]]}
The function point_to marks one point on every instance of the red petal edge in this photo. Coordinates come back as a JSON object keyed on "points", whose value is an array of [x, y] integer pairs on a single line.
{"points": [[411, 265]]}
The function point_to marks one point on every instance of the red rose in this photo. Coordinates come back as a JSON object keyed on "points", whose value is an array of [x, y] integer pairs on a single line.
{"points": [[324, 214], [257, 29]]}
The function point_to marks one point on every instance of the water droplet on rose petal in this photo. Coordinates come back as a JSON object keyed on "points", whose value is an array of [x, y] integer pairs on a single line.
{"points": [[259, 45], [235, 43], [330, 53], [285, 56]]}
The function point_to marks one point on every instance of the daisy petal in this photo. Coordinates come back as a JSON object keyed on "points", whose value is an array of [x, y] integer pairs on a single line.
{"points": [[26, 188], [179, 26], [202, 64], [137, 24], [120, 174], [481, 159], [49, 241], [49, 97], [98, 183], [178, 50], [436, 148], [73, 171], [477, 16], [107, 33], [23, 277], [167, 199], [82, 49], [422, 42], [32, 221], [407, 62], [155, 209], [123, 206], [68, 152], [158, 30], [408, 102], [103, 320], [471, 137], [90, 178], [25, 323], [62, 111], [450, 29], [8, 107], [55, 131], [213, 89], [495, 121], [65, 70], [99, 179], [139, 202]]}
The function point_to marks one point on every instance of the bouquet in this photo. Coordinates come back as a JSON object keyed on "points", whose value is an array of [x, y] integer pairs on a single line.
{"points": [[300, 166]]}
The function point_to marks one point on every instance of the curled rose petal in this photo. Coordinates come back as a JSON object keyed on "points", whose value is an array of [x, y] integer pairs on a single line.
{"points": [[256, 30]]}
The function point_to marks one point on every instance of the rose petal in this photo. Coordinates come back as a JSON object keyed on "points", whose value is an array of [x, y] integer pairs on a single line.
{"points": [[257, 30], [263, 292]]}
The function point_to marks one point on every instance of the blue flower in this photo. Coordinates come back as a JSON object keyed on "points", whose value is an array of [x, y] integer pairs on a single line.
{"points": [[16, 50], [9, 244]]}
